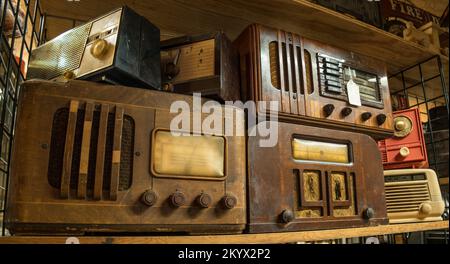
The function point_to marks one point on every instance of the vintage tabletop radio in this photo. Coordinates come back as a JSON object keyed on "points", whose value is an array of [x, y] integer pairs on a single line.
{"points": [[206, 64], [90, 157], [314, 82], [314, 178], [406, 149], [413, 195], [121, 47]]}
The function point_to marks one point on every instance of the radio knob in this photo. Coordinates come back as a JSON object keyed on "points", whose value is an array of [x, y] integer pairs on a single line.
{"points": [[149, 198], [381, 118], [425, 208], [177, 199], [204, 200], [287, 216], [328, 109], [369, 213], [229, 202], [366, 116], [99, 48], [346, 111], [404, 152], [69, 75], [400, 125]]}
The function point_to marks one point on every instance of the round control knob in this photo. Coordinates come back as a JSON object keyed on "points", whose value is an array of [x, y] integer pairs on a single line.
{"points": [[287, 216], [381, 118], [99, 48], [177, 199], [366, 116], [149, 198], [328, 109], [404, 152], [204, 200], [369, 213], [425, 208], [69, 75], [346, 111], [229, 202], [400, 125]]}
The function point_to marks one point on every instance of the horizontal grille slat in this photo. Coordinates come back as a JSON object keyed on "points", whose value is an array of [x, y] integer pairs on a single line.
{"points": [[406, 197]]}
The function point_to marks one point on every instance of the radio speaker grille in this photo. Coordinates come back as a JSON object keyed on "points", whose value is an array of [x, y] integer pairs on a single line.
{"points": [[62, 54], [407, 197], [58, 150]]}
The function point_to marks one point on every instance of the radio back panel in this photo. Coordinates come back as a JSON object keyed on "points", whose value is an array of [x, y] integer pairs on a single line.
{"points": [[206, 64], [120, 47], [413, 195], [406, 149], [99, 158], [314, 178], [311, 81]]}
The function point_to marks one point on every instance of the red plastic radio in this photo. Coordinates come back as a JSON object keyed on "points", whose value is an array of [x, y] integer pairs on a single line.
{"points": [[406, 149]]}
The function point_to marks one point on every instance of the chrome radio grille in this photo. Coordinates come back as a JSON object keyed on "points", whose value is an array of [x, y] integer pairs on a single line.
{"points": [[406, 196], [103, 164], [59, 55]]}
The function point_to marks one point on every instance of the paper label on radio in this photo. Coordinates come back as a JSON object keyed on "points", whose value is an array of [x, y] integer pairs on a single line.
{"points": [[353, 93]]}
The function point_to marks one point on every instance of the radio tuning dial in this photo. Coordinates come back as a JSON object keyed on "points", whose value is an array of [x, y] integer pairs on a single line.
{"points": [[229, 202], [425, 208], [400, 125], [177, 199], [287, 216], [381, 118], [328, 109], [404, 152], [149, 198], [346, 111], [366, 116], [204, 200], [99, 48]]}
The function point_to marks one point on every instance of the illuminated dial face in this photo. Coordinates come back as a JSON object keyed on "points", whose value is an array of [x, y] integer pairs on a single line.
{"points": [[310, 150]]}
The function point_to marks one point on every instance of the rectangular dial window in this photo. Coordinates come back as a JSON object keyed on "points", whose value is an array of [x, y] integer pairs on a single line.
{"points": [[310, 150], [188, 155]]}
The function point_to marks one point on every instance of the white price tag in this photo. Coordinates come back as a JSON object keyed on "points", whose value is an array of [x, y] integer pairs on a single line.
{"points": [[353, 92]]}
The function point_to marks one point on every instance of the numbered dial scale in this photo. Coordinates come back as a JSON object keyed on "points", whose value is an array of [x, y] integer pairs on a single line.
{"points": [[334, 76]]}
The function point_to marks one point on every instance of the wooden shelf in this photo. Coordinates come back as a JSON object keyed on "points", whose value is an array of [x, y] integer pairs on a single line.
{"points": [[232, 16], [269, 238]]}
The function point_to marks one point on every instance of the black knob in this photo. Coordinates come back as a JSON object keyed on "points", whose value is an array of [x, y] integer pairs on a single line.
{"points": [[229, 202], [369, 213], [177, 199], [171, 70], [287, 216], [328, 109], [149, 198], [204, 200], [366, 116], [346, 111], [381, 118]]}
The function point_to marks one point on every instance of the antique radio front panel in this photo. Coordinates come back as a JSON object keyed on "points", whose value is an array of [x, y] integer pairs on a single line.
{"points": [[206, 64], [406, 149], [314, 178], [120, 47], [99, 158], [314, 82], [413, 195]]}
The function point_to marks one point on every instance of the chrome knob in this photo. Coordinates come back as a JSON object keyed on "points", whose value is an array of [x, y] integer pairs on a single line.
{"points": [[400, 125]]}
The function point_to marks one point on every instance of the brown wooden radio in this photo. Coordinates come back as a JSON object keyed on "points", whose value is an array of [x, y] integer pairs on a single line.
{"points": [[314, 178], [90, 157], [206, 64], [406, 149], [315, 83]]}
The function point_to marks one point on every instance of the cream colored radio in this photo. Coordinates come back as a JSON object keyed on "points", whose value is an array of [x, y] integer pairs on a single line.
{"points": [[413, 195]]}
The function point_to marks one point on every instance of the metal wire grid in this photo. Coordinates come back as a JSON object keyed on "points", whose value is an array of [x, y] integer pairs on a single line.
{"points": [[424, 101], [14, 52]]}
